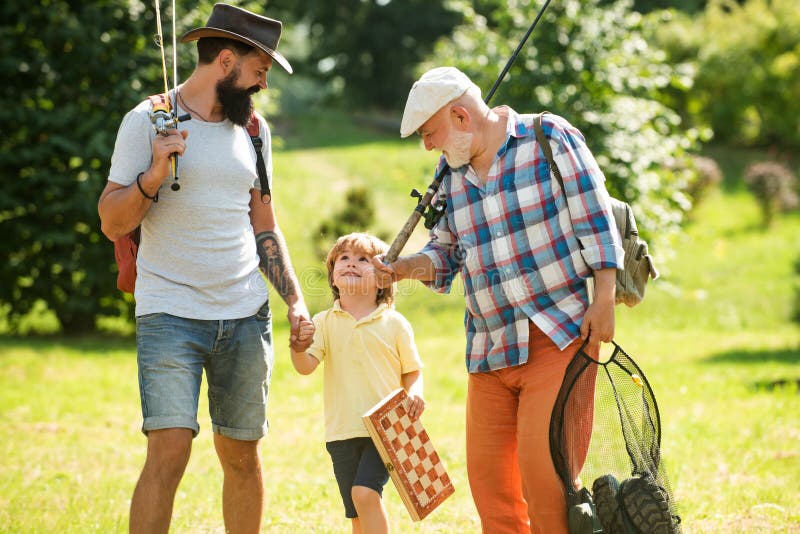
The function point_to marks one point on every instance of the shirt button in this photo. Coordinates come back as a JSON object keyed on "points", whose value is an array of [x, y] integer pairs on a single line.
{"points": [[498, 234]]}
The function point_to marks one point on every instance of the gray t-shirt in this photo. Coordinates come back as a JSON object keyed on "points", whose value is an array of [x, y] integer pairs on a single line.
{"points": [[197, 257]]}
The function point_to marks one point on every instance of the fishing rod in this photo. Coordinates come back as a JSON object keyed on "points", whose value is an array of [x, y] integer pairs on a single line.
{"points": [[433, 212], [163, 115]]}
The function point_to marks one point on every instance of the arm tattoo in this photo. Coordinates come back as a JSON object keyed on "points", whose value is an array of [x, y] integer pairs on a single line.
{"points": [[275, 263]]}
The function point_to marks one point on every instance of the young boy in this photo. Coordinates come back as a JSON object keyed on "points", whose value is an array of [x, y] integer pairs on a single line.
{"points": [[369, 351]]}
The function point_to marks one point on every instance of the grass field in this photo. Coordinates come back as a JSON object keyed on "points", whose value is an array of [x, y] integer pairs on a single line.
{"points": [[713, 336]]}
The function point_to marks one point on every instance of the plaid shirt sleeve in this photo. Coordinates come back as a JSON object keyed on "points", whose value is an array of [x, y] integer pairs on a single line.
{"points": [[586, 195]]}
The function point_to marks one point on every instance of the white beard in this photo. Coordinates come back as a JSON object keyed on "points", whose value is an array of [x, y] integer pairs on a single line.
{"points": [[457, 153]]}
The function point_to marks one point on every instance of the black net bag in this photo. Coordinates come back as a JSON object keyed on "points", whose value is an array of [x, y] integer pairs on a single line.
{"points": [[605, 440]]}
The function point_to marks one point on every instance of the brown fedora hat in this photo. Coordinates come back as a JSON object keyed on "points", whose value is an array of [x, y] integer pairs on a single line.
{"points": [[239, 24]]}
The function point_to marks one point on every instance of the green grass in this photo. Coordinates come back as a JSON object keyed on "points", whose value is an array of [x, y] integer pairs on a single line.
{"points": [[711, 336]]}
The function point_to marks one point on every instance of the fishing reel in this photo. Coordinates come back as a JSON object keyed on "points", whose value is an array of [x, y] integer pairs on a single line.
{"points": [[433, 212], [163, 120]]}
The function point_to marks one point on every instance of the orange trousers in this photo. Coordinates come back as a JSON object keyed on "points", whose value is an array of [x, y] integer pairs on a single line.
{"points": [[512, 478]]}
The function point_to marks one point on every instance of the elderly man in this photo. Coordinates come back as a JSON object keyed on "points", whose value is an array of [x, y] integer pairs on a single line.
{"points": [[201, 300], [525, 248]]}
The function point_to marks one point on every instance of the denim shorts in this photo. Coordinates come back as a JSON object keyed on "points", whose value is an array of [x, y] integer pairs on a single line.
{"points": [[356, 462], [172, 353]]}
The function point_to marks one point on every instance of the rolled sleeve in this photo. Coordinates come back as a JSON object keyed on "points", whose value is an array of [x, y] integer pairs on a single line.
{"points": [[604, 257], [446, 255], [444, 273]]}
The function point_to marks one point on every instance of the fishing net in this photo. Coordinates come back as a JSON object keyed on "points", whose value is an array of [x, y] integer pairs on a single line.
{"points": [[605, 440]]}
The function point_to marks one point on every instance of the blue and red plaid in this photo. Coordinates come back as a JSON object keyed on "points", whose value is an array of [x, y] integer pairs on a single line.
{"points": [[524, 246]]}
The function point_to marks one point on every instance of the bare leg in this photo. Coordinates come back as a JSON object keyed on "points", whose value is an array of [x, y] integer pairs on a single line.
{"points": [[371, 513], [167, 455], [243, 487], [356, 525]]}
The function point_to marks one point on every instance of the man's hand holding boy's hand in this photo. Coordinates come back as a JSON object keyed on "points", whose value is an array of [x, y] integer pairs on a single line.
{"points": [[305, 335]]}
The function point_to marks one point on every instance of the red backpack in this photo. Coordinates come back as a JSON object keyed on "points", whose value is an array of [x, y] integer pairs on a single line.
{"points": [[126, 248]]}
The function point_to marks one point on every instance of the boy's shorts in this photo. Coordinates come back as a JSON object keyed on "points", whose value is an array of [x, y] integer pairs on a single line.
{"points": [[356, 462], [237, 357]]}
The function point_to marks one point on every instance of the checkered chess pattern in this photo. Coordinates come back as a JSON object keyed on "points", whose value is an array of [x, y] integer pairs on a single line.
{"points": [[415, 455], [416, 469]]}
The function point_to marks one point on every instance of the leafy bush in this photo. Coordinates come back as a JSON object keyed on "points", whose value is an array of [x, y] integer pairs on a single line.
{"points": [[748, 68], [357, 215], [589, 61], [708, 176], [689, 6], [773, 185], [71, 70]]}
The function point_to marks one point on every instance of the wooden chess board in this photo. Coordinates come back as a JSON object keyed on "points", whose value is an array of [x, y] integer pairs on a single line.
{"points": [[416, 469]]}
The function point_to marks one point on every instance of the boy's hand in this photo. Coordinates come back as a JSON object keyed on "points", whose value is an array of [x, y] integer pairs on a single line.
{"points": [[416, 406], [305, 335]]}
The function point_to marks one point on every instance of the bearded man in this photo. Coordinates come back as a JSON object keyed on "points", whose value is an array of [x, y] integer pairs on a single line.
{"points": [[201, 300]]}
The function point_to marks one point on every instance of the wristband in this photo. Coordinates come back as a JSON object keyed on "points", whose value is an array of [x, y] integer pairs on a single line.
{"points": [[154, 198]]}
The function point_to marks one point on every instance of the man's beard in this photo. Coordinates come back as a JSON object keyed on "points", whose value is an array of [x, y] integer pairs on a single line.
{"points": [[237, 104], [457, 153]]}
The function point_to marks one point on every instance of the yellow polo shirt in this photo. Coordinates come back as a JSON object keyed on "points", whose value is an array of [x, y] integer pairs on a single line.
{"points": [[363, 362]]}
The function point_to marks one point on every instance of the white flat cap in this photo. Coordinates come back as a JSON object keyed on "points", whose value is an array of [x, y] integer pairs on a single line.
{"points": [[431, 93]]}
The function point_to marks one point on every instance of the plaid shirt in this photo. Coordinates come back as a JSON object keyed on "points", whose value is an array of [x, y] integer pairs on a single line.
{"points": [[523, 246]]}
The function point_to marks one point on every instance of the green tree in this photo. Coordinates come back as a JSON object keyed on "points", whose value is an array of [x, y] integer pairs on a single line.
{"points": [[365, 51], [590, 62], [688, 6], [71, 70], [748, 69]]}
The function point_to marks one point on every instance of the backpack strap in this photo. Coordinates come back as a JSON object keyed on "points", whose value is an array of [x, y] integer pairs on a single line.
{"points": [[159, 102], [254, 131]]}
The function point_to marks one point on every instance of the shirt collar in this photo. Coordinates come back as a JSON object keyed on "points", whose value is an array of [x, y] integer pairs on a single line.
{"points": [[515, 125], [337, 307]]}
